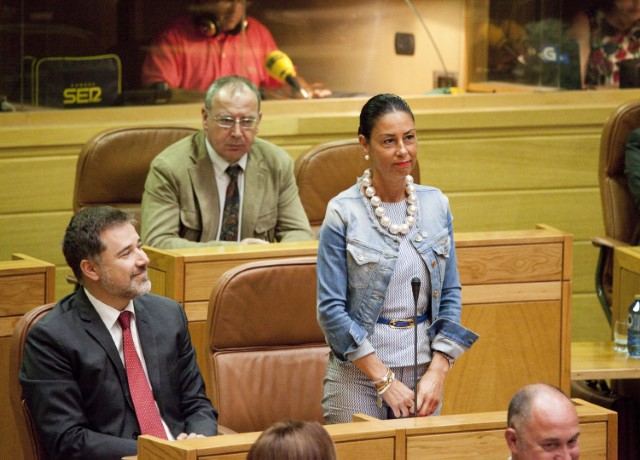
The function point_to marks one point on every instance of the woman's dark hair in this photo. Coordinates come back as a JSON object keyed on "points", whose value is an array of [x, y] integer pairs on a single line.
{"points": [[378, 106], [293, 440]]}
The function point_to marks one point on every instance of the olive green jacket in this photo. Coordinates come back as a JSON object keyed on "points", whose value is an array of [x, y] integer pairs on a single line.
{"points": [[181, 207]]}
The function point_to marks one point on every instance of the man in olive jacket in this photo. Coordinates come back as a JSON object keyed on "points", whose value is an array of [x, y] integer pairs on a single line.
{"points": [[184, 196]]}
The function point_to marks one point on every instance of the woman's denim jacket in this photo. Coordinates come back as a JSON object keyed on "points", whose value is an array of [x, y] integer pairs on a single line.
{"points": [[356, 257]]}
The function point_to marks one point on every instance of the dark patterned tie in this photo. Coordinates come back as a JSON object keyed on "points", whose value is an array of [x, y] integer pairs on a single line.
{"points": [[146, 410], [230, 214]]}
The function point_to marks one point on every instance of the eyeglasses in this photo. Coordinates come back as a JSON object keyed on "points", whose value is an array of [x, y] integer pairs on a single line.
{"points": [[229, 122]]}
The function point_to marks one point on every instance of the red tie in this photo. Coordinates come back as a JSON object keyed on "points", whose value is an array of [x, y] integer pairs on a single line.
{"points": [[143, 401]]}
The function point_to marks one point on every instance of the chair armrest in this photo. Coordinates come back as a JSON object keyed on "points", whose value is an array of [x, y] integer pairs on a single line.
{"points": [[606, 242], [222, 430]]}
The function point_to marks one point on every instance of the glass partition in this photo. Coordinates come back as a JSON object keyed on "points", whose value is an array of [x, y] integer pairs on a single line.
{"points": [[71, 54], [522, 45]]}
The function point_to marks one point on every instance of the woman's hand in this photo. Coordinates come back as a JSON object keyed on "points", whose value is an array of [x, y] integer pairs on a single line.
{"points": [[431, 385], [399, 398]]}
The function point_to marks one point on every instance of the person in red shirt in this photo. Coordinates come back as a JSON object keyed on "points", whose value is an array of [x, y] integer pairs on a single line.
{"points": [[213, 41]]}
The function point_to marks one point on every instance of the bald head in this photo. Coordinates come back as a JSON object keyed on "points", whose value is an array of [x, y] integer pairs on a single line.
{"points": [[542, 423]]}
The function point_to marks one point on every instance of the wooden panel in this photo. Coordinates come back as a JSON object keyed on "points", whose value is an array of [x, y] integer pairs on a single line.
{"points": [[478, 435], [588, 323], [63, 286], [585, 257], [532, 331], [54, 177], [7, 325], [377, 449], [197, 311], [202, 277], [484, 444], [629, 288], [497, 264], [574, 211], [541, 162], [38, 235], [490, 444], [593, 442], [8, 434], [25, 282], [514, 292], [626, 280], [158, 280], [19, 293]]}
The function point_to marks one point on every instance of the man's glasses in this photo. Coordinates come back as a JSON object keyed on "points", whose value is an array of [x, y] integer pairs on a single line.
{"points": [[230, 122]]}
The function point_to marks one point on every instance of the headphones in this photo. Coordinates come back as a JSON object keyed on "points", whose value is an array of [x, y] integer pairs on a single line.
{"points": [[209, 25]]}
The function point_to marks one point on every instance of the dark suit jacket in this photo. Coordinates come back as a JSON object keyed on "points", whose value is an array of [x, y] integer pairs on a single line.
{"points": [[76, 388]]}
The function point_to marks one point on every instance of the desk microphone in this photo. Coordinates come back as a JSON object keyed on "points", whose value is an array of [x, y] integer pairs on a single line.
{"points": [[415, 288], [281, 68]]}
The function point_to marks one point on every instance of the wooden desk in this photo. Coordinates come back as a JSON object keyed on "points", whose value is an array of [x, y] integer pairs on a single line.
{"points": [[626, 280], [189, 275], [598, 360], [25, 283], [516, 295], [479, 435]]}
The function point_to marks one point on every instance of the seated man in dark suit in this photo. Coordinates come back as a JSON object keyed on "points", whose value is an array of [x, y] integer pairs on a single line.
{"points": [[223, 185], [111, 361]]}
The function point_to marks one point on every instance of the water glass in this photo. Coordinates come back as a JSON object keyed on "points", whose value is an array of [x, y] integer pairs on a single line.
{"points": [[620, 336]]}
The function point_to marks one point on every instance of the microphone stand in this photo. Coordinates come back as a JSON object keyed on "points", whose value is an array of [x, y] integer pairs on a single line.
{"points": [[415, 289]]}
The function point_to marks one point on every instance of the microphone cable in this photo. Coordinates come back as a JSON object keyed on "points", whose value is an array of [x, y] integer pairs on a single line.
{"points": [[433, 42], [243, 37]]}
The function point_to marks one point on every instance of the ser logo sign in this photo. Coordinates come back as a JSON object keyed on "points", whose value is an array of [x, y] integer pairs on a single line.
{"points": [[82, 93]]}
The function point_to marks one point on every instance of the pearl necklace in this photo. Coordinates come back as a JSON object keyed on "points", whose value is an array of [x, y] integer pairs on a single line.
{"points": [[376, 202]]}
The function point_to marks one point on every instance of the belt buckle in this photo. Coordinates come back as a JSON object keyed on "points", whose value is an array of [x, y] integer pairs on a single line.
{"points": [[395, 323]]}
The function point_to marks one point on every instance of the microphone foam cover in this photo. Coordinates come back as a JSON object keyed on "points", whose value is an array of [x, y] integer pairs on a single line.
{"points": [[279, 65]]}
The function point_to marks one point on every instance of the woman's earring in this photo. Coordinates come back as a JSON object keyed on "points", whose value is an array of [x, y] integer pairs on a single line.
{"points": [[366, 157]]}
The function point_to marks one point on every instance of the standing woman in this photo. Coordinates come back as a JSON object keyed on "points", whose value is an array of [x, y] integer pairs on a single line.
{"points": [[376, 237]]}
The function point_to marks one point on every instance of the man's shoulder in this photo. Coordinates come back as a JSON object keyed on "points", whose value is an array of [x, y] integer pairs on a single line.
{"points": [[62, 317], [175, 154]]}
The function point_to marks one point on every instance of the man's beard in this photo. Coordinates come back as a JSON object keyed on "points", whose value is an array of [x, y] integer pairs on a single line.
{"points": [[131, 291]]}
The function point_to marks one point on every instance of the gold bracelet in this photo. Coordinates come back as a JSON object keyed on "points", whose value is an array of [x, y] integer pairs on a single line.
{"points": [[387, 384], [384, 378]]}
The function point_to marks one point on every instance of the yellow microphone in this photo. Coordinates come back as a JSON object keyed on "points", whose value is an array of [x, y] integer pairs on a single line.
{"points": [[281, 68], [498, 40]]}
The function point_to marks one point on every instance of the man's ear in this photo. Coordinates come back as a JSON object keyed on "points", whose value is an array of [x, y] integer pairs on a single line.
{"points": [[205, 118], [89, 270], [512, 439]]}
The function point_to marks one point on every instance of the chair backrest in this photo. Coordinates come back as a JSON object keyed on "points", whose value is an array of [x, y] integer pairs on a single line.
{"points": [[620, 213], [31, 448], [113, 166], [326, 170], [266, 353]]}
